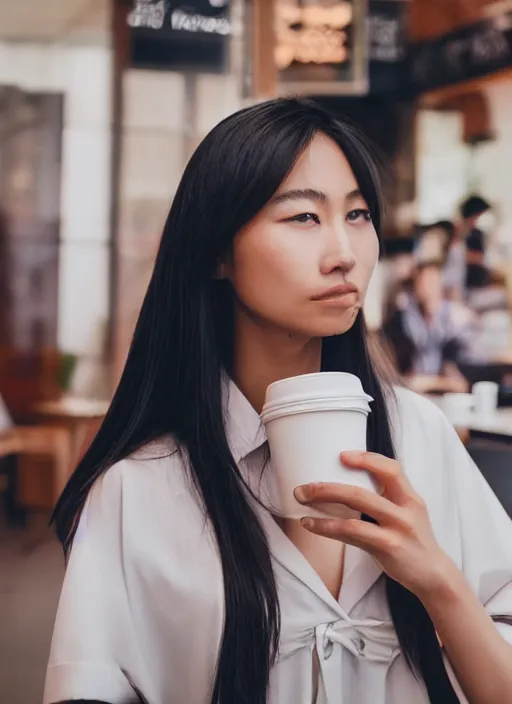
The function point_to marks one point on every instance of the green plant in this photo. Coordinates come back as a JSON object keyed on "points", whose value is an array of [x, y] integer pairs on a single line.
{"points": [[66, 370]]}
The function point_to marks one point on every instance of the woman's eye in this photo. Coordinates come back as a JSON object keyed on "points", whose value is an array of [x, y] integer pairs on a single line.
{"points": [[358, 214], [305, 218]]}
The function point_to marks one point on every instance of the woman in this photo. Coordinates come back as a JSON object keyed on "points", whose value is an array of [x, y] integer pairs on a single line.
{"points": [[180, 587]]}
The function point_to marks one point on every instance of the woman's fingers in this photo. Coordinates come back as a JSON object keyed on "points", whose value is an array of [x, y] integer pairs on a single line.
{"points": [[387, 472], [361, 500], [361, 534], [401, 540]]}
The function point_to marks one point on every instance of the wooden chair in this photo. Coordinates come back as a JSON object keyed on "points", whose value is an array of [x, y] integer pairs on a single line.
{"points": [[50, 442], [27, 378]]}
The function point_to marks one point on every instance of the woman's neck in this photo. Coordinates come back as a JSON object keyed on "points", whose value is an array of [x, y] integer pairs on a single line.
{"points": [[263, 356]]}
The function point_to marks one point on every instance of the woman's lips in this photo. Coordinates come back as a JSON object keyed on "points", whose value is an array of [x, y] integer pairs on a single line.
{"points": [[336, 293]]}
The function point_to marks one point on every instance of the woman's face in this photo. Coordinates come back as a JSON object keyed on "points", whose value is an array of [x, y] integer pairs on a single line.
{"points": [[303, 264]]}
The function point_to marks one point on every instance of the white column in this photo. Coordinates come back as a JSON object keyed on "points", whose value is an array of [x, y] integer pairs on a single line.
{"points": [[82, 73], [85, 213]]}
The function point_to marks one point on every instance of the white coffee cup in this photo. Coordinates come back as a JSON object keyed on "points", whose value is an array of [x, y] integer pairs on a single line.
{"points": [[485, 395], [458, 407], [310, 420]]}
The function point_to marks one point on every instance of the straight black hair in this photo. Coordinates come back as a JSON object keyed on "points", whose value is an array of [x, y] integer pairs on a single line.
{"points": [[172, 381]]}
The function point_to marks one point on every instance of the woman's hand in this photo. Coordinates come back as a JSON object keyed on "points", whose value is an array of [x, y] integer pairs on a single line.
{"points": [[402, 542]]}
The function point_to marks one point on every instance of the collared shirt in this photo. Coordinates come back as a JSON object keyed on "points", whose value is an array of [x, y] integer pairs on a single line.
{"points": [[142, 603]]}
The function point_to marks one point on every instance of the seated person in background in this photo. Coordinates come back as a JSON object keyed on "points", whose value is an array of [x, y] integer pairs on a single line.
{"points": [[455, 264], [477, 274], [432, 241], [429, 335], [443, 241]]}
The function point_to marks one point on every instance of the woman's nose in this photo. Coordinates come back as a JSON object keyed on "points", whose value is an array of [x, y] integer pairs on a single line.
{"points": [[339, 254]]}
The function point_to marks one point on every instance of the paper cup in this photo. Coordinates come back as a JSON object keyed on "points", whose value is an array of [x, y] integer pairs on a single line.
{"points": [[309, 421], [485, 396], [458, 408]]}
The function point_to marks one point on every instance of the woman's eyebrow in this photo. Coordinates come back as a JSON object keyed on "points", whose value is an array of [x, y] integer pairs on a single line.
{"points": [[354, 195], [313, 195], [300, 194]]}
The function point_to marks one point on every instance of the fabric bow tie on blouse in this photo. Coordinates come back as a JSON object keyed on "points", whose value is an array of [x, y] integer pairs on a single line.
{"points": [[369, 640]]}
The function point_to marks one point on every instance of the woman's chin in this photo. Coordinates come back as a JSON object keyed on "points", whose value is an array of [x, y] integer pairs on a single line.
{"points": [[335, 326]]}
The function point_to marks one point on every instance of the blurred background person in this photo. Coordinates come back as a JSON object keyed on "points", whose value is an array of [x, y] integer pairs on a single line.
{"points": [[433, 242], [471, 210], [454, 270], [428, 334]]}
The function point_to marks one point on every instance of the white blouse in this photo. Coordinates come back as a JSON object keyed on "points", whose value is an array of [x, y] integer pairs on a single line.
{"points": [[142, 603]]}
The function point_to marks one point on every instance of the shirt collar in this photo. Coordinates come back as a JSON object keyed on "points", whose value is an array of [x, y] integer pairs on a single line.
{"points": [[244, 428]]}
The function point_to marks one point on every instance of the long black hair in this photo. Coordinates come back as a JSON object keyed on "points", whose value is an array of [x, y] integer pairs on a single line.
{"points": [[172, 381]]}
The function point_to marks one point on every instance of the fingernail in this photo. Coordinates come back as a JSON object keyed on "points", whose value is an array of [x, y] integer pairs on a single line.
{"points": [[307, 522], [300, 494]]}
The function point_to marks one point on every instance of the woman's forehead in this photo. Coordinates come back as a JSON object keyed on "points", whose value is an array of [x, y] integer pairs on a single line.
{"points": [[322, 167]]}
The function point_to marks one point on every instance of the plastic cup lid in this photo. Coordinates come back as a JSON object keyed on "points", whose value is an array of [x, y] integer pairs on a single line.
{"points": [[320, 385]]}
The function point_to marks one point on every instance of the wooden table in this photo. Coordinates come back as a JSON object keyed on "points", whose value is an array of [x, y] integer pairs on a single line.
{"points": [[78, 415]]}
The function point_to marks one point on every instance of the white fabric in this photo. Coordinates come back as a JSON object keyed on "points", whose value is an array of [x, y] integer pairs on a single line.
{"points": [[142, 602]]}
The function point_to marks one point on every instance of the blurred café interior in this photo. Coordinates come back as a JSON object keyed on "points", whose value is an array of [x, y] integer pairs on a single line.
{"points": [[102, 103]]}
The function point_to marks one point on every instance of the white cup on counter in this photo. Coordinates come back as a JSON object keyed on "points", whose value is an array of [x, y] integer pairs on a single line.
{"points": [[458, 407], [485, 397]]}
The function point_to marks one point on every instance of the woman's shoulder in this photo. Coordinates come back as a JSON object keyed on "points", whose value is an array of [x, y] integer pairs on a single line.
{"points": [[147, 460], [146, 509], [407, 405], [418, 423], [429, 451], [137, 483]]}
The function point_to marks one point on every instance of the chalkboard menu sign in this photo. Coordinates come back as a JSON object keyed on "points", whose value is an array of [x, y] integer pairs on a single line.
{"points": [[321, 46], [387, 31], [191, 34], [387, 46], [462, 55]]}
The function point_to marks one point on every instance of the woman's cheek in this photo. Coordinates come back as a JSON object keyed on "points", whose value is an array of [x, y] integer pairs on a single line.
{"points": [[367, 257]]}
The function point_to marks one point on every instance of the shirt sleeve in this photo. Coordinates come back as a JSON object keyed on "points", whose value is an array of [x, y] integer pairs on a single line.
{"points": [[93, 643], [485, 532]]}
